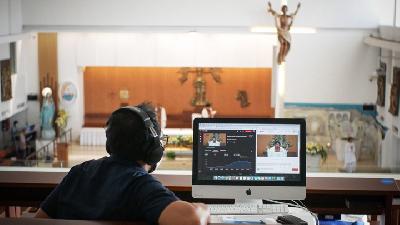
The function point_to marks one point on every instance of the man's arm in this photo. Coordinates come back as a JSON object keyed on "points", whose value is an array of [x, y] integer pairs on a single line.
{"points": [[297, 10], [184, 213], [270, 10]]}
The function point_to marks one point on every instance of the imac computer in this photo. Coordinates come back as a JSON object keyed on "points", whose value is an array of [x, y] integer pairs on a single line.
{"points": [[249, 159]]}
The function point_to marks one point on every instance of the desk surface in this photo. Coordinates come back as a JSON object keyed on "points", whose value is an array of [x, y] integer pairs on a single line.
{"points": [[33, 221]]}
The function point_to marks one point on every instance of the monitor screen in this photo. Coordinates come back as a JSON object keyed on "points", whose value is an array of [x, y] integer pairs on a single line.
{"points": [[256, 152]]}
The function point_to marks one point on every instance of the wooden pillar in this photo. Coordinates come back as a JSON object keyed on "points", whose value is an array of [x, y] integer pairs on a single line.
{"points": [[48, 64]]}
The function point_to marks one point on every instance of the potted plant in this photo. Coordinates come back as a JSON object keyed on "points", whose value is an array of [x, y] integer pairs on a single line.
{"points": [[171, 155], [315, 152], [62, 120]]}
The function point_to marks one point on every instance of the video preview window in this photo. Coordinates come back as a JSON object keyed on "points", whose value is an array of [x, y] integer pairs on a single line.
{"points": [[214, 139], [277, 145]]}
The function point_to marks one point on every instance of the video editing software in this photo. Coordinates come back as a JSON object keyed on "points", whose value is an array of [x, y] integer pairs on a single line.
{"points": [[248, 152]]}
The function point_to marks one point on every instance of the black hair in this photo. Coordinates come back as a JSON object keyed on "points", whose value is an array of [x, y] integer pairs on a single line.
{"points": [[127, 135], [278, 142], [208, 104]]}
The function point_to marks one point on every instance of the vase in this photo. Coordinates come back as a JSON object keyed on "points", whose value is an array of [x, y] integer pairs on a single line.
{"points": [[313, 162]]}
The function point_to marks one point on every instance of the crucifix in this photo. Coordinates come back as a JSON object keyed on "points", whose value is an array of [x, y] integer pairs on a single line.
{"points": [[283, 23], [199, 82]]}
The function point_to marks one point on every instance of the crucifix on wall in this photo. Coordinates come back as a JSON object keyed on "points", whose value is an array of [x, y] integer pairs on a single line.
{"points": [[199, 83], [283, 23]]}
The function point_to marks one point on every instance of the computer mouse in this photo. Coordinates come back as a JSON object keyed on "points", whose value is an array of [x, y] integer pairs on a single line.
{"points": [[269, 221]]}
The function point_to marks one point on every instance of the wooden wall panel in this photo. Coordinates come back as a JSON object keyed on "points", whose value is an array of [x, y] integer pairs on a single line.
{"points": [[48, 63], [161, 85]]}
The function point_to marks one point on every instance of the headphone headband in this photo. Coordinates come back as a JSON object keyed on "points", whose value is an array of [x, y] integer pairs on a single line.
{"points": [[146, 119], [152, 150]]}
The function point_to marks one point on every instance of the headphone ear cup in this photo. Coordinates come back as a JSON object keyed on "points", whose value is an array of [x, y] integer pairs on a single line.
{"points": [[154, 152]]}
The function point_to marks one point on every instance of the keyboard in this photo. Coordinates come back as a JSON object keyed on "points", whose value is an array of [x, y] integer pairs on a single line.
{"points": [[247, 209]]}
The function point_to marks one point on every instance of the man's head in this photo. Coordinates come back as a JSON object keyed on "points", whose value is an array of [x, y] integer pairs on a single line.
{"points": [[129, 138], [208, 105], [284, 9]]}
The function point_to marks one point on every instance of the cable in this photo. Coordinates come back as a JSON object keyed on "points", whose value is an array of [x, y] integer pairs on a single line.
{"points": [[315, 216]]}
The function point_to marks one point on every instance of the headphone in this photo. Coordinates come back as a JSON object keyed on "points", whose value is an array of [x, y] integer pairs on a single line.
{"points": [[152, 150]]}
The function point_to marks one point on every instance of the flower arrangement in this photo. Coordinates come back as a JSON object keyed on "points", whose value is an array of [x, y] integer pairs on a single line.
{"points": [[62, 119], [317, 149]]}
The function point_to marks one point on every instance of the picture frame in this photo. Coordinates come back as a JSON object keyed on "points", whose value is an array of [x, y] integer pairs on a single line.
{"points": [[6, 86], [380, 101], [395, 92], [381, 82]]}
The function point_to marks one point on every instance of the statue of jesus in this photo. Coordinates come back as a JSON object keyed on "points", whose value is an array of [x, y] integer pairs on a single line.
{"points": [[283, 23]]}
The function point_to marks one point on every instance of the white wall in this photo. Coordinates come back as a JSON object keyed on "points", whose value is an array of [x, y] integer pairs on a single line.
{"points": [[4, 17], [29, 67], [200, 13], [10, 17], [391, 141], [327, 67], [331, 67], [18, 101], [77, 50]]}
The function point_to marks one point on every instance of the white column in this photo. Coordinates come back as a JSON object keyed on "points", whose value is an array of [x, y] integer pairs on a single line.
{"points": [[279, 79]]}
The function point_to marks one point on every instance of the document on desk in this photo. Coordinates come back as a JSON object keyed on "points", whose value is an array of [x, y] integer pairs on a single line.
{"points": [[243, 219]]}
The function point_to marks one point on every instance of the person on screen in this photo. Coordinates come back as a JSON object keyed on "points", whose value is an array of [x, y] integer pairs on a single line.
{"points": [[214, 142], [277, 151], [119, 186]]}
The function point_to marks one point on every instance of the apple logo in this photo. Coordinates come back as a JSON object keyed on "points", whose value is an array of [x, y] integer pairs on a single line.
{"points": [[248, 192]]}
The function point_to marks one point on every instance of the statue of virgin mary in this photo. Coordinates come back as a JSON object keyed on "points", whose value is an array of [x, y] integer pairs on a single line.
{"points": [[47, 114]]}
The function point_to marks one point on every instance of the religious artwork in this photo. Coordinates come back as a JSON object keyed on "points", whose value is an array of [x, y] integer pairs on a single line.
{"points": [[381, 72], [68, 93], [395, 92], [283, 22], [242, 98], [199, 82], [47, 114], [6, 92]]}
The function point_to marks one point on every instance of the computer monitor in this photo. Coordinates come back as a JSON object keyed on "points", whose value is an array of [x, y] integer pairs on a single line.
{"points": [[249, 159]]}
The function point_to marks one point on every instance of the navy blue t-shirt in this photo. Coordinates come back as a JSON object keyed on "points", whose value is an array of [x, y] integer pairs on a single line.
{"points": [[108, 189]]}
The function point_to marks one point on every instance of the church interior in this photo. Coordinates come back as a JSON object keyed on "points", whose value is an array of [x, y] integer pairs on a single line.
{"points": [[67, 65]]}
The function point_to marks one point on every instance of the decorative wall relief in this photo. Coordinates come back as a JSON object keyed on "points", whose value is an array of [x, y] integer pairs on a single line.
{"points": [[199, 82], [395, 92], [242, 98], [380, 101], [68, 93], [6, 92]]}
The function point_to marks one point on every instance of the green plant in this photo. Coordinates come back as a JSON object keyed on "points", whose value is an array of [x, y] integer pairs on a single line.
{"points": [[171, 155], [62, 119], [317, 149]]}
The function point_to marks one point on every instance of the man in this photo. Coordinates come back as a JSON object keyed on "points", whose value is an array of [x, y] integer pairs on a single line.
{"points": [[214, 142], [283, 23], [208, 111], [120, 187], [277, 151]]}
